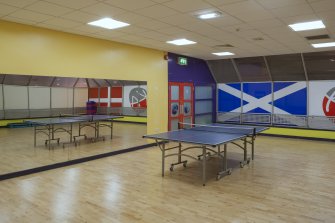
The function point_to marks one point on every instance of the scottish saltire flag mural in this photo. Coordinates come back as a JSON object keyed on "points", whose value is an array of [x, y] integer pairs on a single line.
{"points": [[229, 97], [258, 97], [290, 98], [323, 98]]}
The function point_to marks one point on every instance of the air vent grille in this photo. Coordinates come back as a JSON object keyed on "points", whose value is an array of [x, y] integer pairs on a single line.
{"points": [[224, 45], [318, 37]]}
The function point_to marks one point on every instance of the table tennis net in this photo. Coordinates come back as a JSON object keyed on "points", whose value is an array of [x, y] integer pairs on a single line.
{"points": [[221, 129]]}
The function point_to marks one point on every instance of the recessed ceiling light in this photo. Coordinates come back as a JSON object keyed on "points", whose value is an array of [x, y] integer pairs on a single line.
{"points": [[108, 23], [209, 15], [307, 25], [224, 54], [321, 45], [180, 42]]}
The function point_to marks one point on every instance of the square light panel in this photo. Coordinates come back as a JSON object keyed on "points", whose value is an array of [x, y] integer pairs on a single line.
{"points": [[108, 23], [180, 42], [224, 54], [210, 15], [321, 45], [307, 25]]}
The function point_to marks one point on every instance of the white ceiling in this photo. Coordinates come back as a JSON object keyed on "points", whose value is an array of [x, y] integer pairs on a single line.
{"points": [[153, 22]]}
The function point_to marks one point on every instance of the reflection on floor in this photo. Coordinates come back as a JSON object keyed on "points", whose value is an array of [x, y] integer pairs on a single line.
{"points": [[18, 152], [290, 180]]}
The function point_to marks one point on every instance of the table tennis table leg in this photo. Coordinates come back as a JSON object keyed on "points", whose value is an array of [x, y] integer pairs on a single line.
{"points": [[35, 135], [163, 158], [225, 169], [96, 130], [50, 132], [111, 127], [184, 162], [252, 147], [204, 158], [246, 160]]}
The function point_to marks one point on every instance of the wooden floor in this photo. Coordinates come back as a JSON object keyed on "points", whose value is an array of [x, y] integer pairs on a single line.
{"points": [[18, 152], [289, 181]]}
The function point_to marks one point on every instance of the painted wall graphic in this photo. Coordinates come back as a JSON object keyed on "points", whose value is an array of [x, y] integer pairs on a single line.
{"points": [[135, 96], [258, 98], [290, 98], [229, 97], [323, 98], [116, 96]]}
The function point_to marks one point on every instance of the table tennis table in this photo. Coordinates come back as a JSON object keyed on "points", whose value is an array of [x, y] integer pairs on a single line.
{"points": [[51, 126], [206, 138]]}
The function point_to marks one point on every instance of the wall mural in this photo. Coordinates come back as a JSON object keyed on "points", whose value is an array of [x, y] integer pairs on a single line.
{"points": [[132, 96], [286, 98], [323, 95]]}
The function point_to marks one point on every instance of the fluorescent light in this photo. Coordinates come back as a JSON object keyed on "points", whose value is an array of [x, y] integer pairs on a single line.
{"points": [[307, 25], [224, 54], [210, 15], [321, 45], [108, 23], [180, 42]]}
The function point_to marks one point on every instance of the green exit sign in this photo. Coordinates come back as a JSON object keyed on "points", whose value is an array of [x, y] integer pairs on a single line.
{"points": [[182, 61]]}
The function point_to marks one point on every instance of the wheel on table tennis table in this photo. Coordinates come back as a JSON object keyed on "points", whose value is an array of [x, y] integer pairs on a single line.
{"points": [[241, 164]]}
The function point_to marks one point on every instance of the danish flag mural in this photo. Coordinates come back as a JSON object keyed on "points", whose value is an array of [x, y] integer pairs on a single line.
{"points": [[288, 98]]}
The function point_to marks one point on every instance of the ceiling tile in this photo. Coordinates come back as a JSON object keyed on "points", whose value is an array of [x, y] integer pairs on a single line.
{"points": [[271, 4], [301, 18], [153, 25], [179, 19], [225, 20], [131, 4], [264, 24], [103, 10], [133, 18], [6, 9], [295, 10], [74, 4], [87, 29], [187, 5], [30, 16], [223, 2], [59, 22], [324, 5], [48, 8], [82, 17], [156, 11], [134, 30], [19, 20], [18, 3]]}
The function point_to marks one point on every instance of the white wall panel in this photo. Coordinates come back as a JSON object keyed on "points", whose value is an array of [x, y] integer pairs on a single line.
{"points": [[61, 97], [39, 97], [16, 97], [80, 97], [322, 98]]}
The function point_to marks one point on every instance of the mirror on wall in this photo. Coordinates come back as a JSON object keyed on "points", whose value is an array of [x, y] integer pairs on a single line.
{"points": [[46, 120]]}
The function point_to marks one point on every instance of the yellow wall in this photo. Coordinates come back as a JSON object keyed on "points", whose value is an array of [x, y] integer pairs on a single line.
{"points": [[36, 51]]}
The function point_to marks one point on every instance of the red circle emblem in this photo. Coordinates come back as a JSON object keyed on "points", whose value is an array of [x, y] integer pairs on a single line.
{"points": [[328, 103]]}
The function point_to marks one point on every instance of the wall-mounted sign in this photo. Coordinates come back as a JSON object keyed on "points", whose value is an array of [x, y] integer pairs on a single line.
{"points": [[182, 61]]}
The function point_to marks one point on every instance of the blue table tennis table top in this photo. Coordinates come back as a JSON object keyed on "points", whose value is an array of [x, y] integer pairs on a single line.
{"points": [[72, 119], [226, 133]]}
